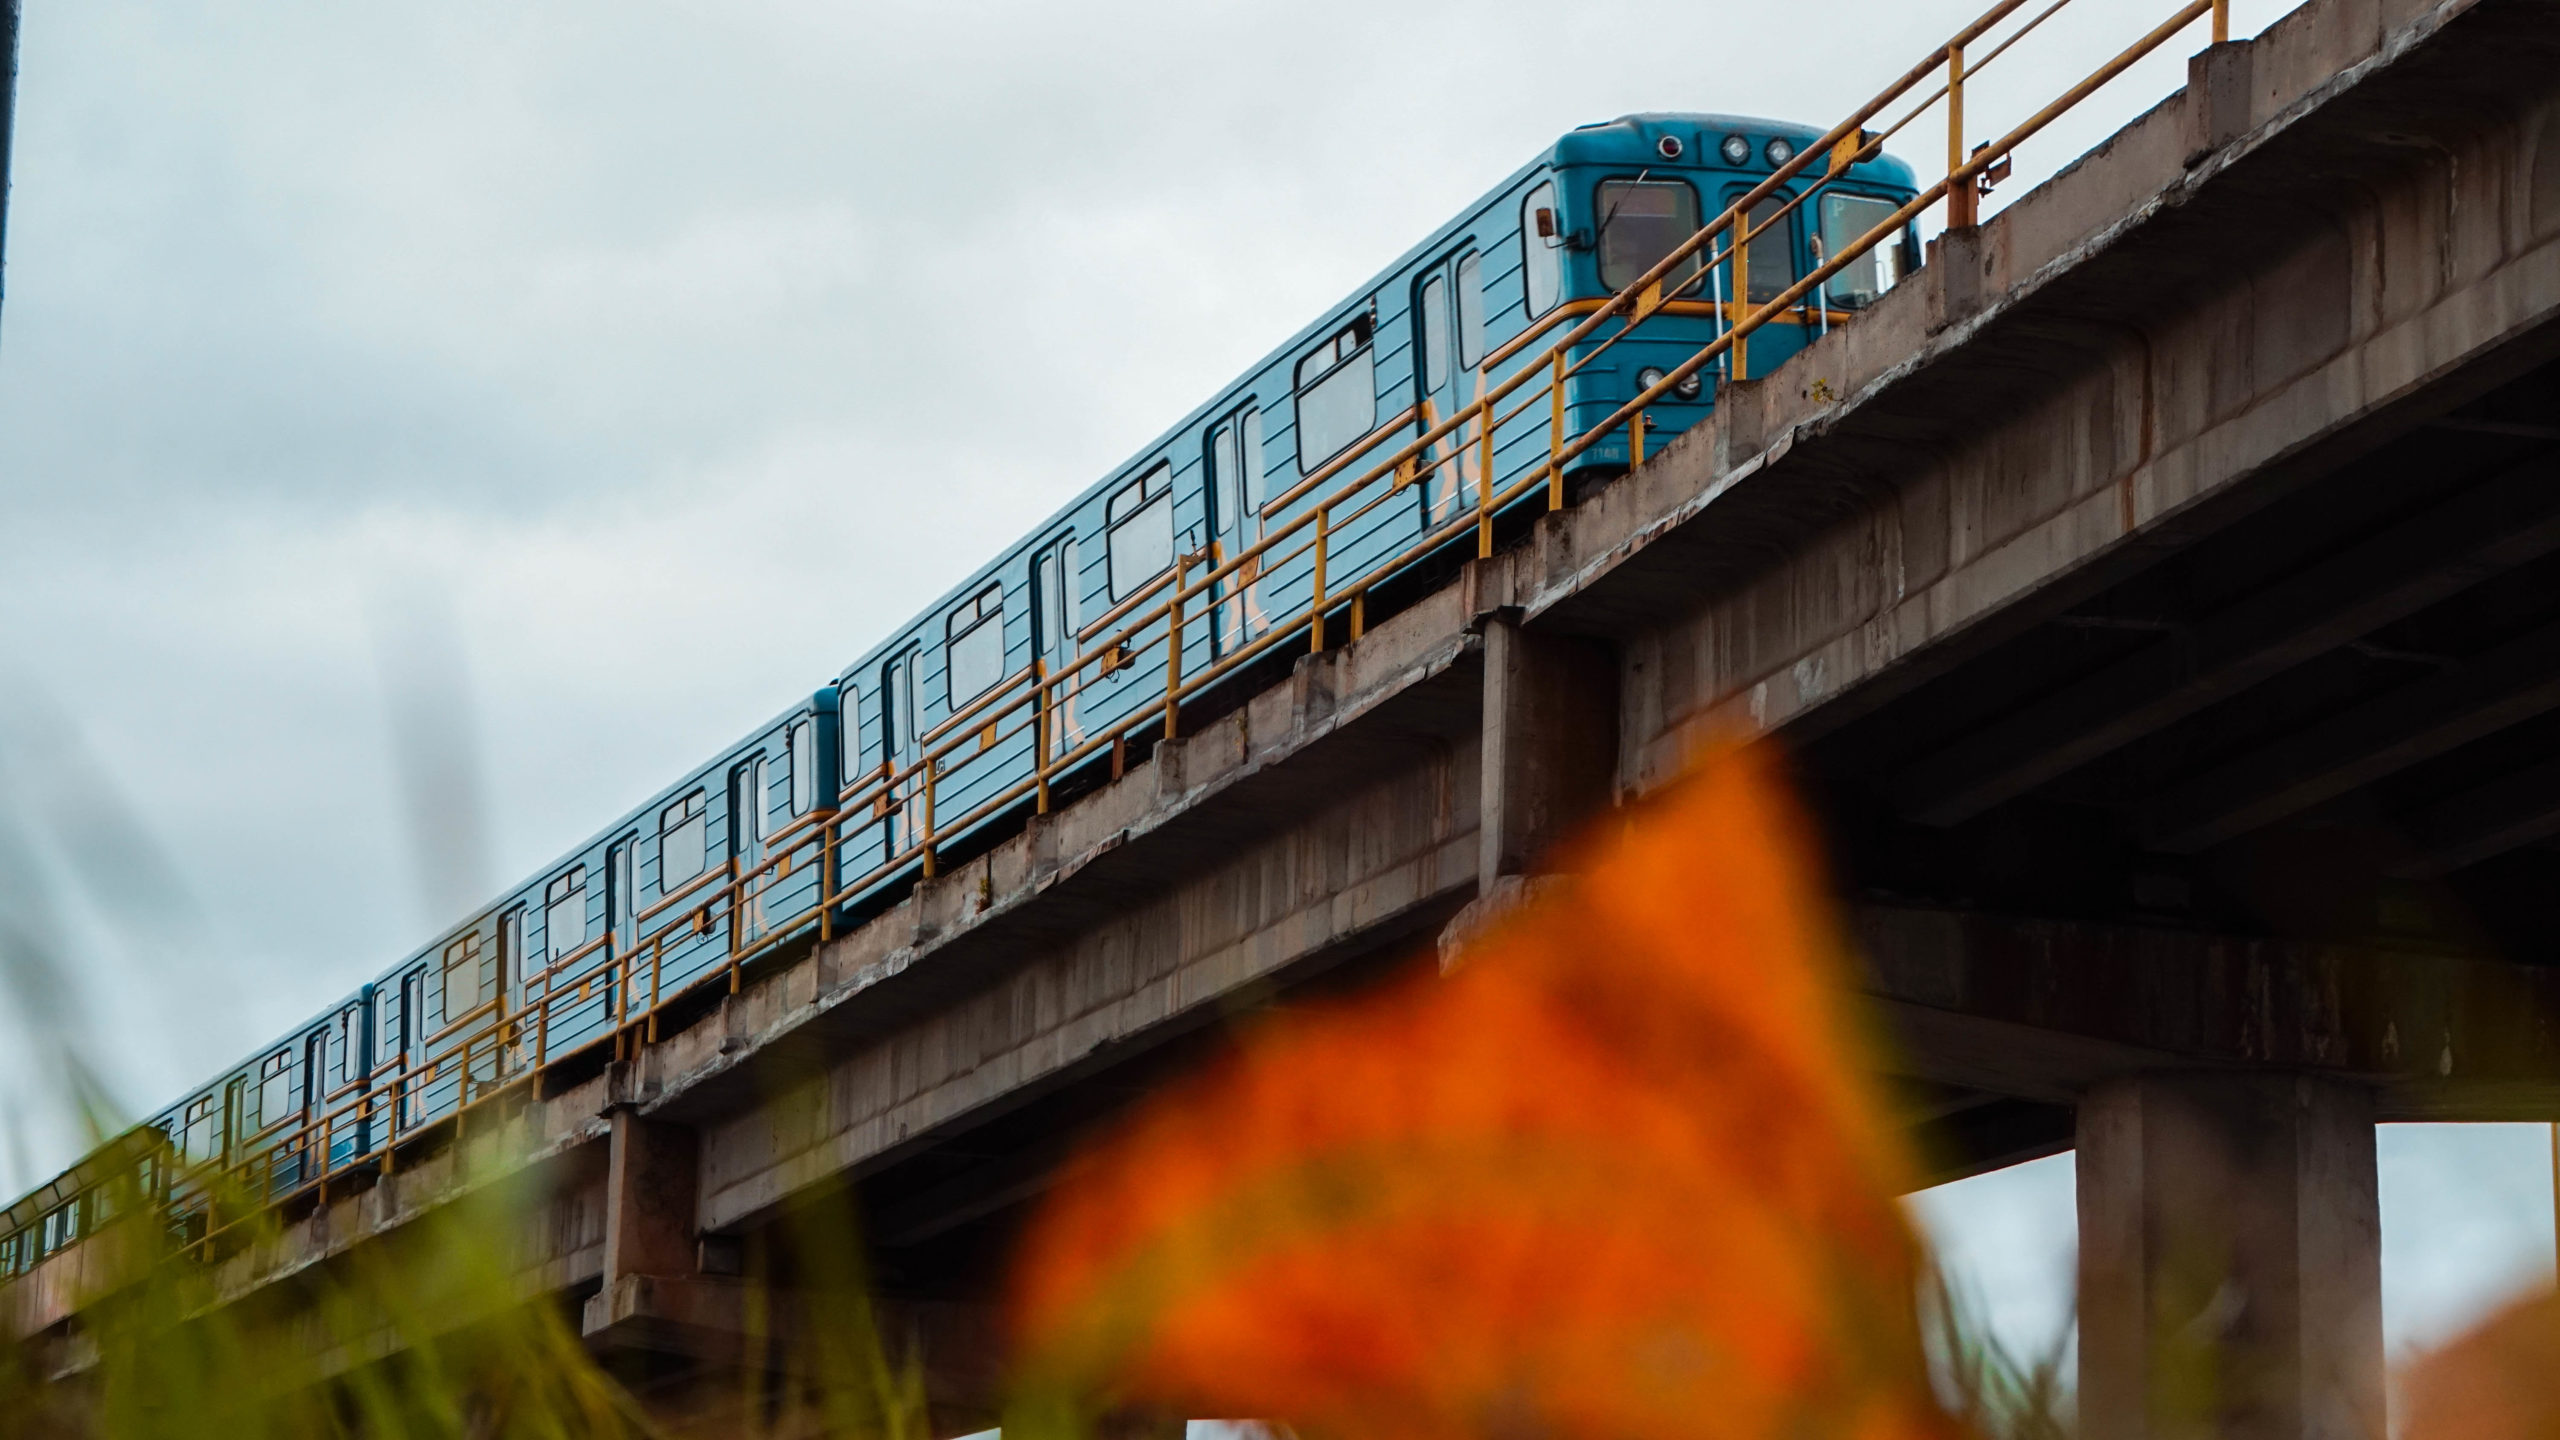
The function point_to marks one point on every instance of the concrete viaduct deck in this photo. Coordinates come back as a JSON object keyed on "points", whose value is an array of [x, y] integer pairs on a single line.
{"points": [[2160, 594]]}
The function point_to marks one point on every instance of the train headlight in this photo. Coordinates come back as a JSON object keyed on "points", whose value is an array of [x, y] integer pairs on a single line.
{"points": [[1779, 152], [1735, 149], [1668, 147], [1687, 388]]}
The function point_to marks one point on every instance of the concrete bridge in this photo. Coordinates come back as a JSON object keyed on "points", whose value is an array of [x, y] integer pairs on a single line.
{"points": [[2160, 593]]}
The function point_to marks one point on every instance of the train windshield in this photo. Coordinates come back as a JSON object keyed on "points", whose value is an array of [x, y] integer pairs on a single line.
{"points": [[1640, 222], [1845, 219]]}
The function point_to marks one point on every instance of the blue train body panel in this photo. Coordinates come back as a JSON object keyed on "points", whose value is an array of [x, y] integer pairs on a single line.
{"points": [[655, 905]]}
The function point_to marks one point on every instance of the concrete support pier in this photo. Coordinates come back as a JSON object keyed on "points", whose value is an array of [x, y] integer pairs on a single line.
{"points": [[1550, 704], [2230, 1266]]}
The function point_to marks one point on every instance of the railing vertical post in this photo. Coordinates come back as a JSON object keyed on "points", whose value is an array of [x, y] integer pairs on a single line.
{"points": [[1635, 440], [1484, 480], [1555, 434], [1960, 208], [1315, 628], [1040, 733], [1173, 650], [657, 959], [827, 875], [928, 816], [2221, 22], [1740, 350]]}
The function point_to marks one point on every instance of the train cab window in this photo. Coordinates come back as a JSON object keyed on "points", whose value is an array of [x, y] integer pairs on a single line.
{"points": [[802, 742], [973, 658], [1640, 222], [1470, 280], [1860, 283], [1141, 535], [1541, 251], [1773, 250], [1337, 395], [564, 914], [466, 975], [682, 847]]}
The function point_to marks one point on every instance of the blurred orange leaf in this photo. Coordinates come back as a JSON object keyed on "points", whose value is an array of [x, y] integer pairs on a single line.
{"points": [[2495, 1382], [1622, 1174]]}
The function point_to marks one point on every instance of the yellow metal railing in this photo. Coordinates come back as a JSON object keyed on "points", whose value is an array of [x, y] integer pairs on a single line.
{"points": [[906, 802]]}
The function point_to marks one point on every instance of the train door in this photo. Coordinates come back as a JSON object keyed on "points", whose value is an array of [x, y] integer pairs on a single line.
{"points": [[621, 905], [1056, 615], [1448, 342], [903, 746], [746, 848], [235, 1120], [409, 1037], [1235, 509], [512, 980], [311, 1151]]}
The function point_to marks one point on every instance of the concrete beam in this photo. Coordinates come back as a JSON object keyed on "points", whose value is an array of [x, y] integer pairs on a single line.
{"points": [[2477, 697], [2474, 825], [2230, 1260], [2047, 1010], [1378, 867], [2496, 526]]}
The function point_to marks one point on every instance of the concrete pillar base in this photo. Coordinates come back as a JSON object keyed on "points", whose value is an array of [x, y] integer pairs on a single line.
{"points": [[2230, 1263]]}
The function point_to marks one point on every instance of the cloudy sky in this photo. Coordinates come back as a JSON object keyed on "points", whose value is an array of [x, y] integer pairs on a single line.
{"points": [[567, 387]]}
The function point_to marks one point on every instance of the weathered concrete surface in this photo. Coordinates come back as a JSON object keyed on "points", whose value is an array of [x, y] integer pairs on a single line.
{"points": [[2228, 412], [2230, 1261]]}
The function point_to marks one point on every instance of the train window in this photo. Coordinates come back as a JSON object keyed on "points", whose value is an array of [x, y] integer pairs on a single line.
{"points": [[747, 799], [1470, 276], [1337, 396], [1048, 608], [681, 847], [1541, 251], [849, 733], [898, 707], [200, 1128], [564, 914], [275, 1088], [1640, 222], [973, 657], [802, 741], [510, 948], [1140, 541], [315, 1072], [1862, 281], [618, 890], [1249, 455], [1773, 250], [465, 980], [1235, 476], [1429, 339], [235, 1115]]}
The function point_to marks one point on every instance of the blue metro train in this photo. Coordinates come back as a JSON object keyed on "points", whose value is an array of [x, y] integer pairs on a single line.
{"points": [[1250, 520]]}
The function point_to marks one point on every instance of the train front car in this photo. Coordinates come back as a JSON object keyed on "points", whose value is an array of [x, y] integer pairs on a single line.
{"points": [[1619, 196]]}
